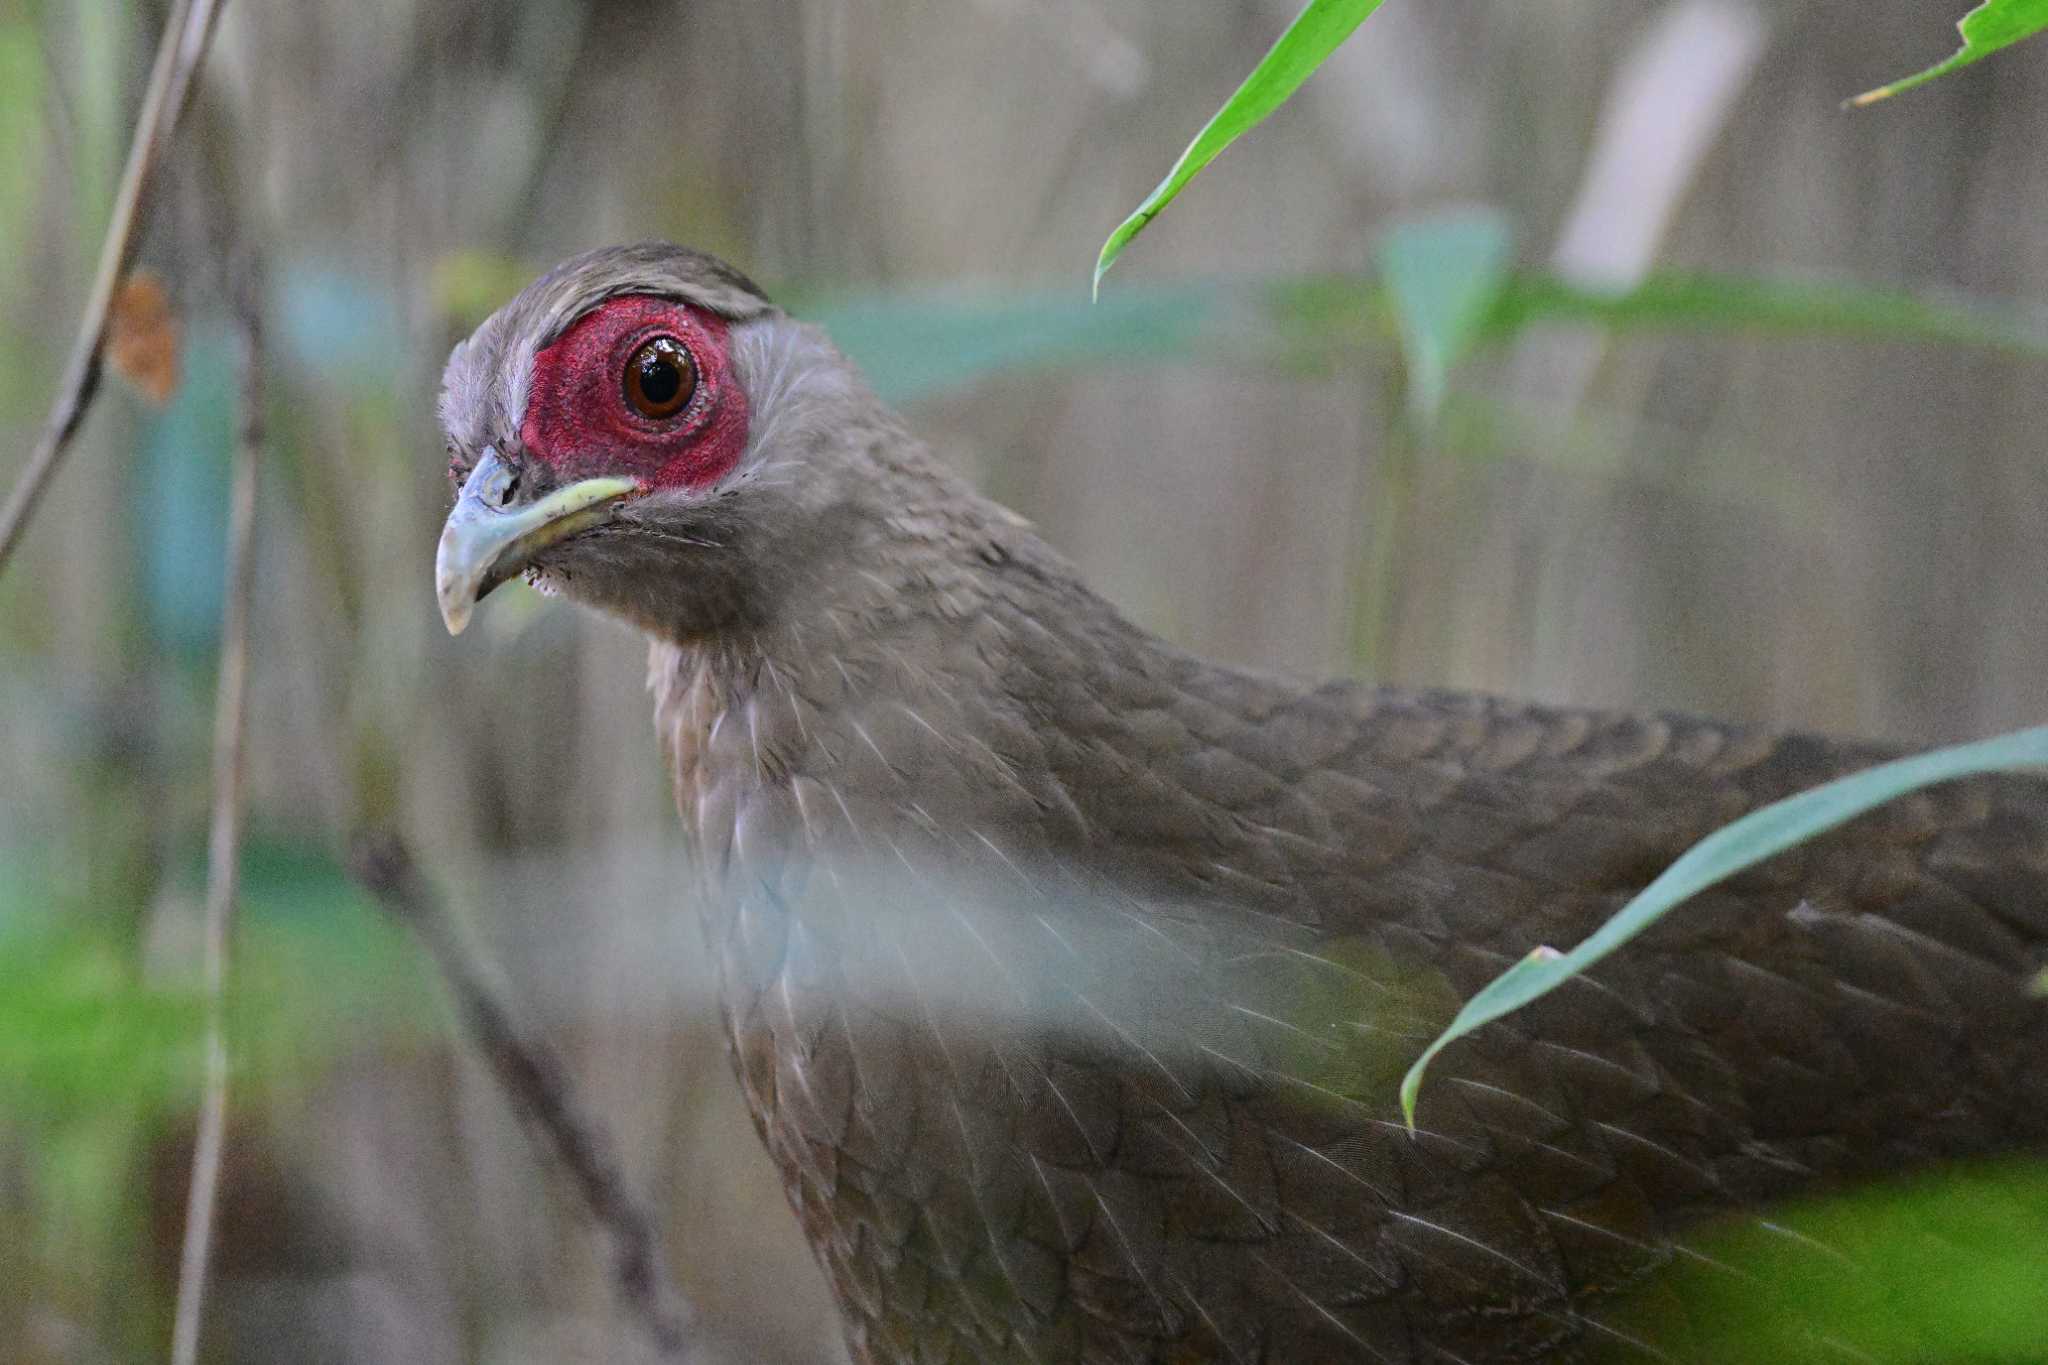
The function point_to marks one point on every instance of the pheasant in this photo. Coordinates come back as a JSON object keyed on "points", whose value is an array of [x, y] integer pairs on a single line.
{"points": [[1069, 978]]}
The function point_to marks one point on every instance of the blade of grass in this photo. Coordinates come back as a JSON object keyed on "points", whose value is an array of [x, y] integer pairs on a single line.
{"points": [[1993, 25], [1727, 851], [1314, 35]]}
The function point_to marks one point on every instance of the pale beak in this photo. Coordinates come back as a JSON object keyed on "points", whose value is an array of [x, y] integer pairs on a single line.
{"points": [[489, 539]]}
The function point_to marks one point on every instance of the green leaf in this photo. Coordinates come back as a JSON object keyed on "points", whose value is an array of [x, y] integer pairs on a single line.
{"points": [[1727, 851], [1742, 303], [1314, 35], [1992, 25], [1444, 277]]}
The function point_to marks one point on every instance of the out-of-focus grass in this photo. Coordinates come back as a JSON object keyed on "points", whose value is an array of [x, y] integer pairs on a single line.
{"points": [[1942, 1267]]}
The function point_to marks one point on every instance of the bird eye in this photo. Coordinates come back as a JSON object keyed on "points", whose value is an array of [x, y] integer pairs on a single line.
{"points": [[660, 377]]}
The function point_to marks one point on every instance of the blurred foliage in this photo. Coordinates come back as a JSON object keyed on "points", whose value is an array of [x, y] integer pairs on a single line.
{"points": [[922, 348], [79, 1028], [101, 1055], [1445, 277], [179, 500], [1674, 300], [1314, 35], [1446, 285], [320, 971], [1942, 1267], [83, 1025], [1993, 25], [21, 133]]}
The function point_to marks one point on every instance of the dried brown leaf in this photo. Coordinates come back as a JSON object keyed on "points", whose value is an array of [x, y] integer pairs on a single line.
{"points": [[142, 337]]}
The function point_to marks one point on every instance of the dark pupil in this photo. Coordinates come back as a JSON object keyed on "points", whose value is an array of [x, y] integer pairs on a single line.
{"points": [[660, 379]]}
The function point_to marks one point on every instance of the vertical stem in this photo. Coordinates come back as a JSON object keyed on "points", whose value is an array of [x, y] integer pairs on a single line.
{"points": [[223, 844], [1381, 553]]}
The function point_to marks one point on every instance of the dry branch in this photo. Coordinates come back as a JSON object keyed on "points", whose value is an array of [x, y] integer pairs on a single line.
{"points": [[224, 836], [187, 31], [532, 1075]]}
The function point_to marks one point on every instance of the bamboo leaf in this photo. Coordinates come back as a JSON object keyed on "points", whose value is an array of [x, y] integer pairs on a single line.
{"points": [[1313, 36], [1993, 25], [1727, 851]]}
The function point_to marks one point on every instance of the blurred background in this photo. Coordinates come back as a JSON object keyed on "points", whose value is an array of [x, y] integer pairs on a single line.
{"points": [[1816, 527]]}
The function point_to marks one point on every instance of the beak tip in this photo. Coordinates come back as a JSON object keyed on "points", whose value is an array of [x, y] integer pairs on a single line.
{"points": [[453, 589], [484, 542]]}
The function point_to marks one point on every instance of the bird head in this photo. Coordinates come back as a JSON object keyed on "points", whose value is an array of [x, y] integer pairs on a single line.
{"points": [[634, 430]]}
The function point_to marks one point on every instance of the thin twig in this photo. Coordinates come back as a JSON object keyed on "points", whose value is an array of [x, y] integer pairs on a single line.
{"points": [[532, 1075], [224, 837], [187, 32]]}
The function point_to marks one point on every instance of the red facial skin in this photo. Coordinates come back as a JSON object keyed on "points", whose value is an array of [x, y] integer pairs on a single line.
{"points": [[580, 425]]}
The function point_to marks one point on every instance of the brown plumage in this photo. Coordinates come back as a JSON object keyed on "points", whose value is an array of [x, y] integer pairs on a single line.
{"points": [[1069, 978]]}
